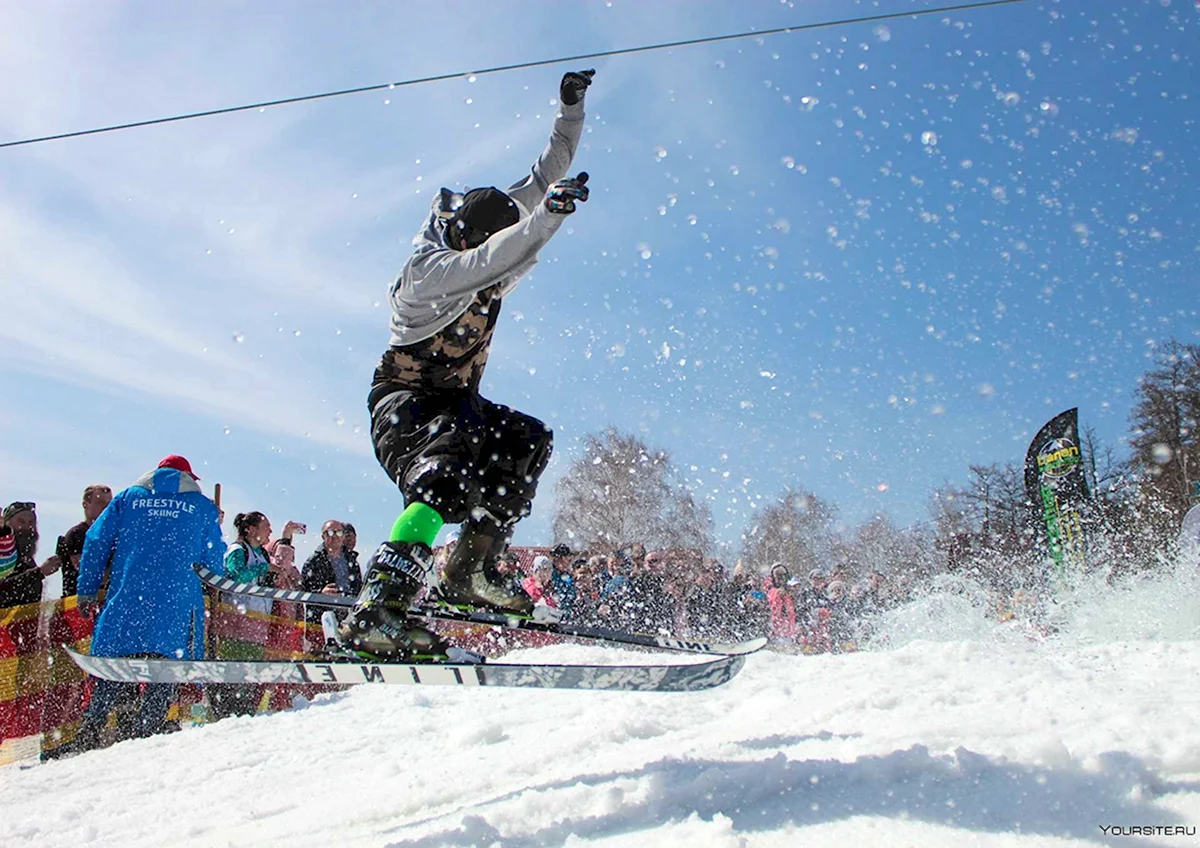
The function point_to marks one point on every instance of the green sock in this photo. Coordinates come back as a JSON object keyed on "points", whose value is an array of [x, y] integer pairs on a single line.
{"points": [[418, 523]]}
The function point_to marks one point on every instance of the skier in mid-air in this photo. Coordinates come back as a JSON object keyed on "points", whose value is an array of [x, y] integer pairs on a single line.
{"points": [[457, 457]]}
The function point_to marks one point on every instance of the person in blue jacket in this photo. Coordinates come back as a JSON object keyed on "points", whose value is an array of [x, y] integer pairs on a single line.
{"points": [[147, 540]]}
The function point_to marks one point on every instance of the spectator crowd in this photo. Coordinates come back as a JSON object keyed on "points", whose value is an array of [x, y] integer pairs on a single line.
{"points": [[129, 564], [252, 557], [675, 591], [680, 592]]}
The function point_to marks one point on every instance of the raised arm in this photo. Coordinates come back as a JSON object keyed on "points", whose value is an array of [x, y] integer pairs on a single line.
{"points": [[552, 165]]}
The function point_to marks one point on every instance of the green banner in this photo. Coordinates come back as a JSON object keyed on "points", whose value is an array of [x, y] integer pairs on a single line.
{"points": [[1056, 484]]}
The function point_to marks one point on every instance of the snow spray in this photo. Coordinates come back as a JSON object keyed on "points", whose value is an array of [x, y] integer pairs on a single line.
{"points": [[1159, 604]]}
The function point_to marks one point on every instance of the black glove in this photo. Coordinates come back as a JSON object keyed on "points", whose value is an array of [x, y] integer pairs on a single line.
{"points": [[574, 84], [561, 197]]}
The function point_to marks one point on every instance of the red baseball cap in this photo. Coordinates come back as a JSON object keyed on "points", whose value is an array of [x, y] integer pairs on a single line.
{"points": [[179, 464]]}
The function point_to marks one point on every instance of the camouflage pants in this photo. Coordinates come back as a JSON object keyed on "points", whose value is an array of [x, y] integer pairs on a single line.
{"points": [[454, 451]]}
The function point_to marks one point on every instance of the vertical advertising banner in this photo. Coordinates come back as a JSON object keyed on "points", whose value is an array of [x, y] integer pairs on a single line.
{"points": [[1056, 484]]}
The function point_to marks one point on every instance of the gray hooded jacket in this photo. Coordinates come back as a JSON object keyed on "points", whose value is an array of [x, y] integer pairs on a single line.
{"points": [[438, 283]]}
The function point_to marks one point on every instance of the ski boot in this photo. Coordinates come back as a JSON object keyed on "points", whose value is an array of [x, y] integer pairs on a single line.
{"points": [[379, 626], [470, 577]]}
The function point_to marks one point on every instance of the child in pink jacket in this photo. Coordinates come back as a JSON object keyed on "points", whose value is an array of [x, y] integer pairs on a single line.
{"points": [[782, 604]]}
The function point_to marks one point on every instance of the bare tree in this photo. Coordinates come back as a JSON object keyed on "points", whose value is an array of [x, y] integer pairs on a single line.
{"points": [[987, 526], [1166, 422], [879, 545], [948, 510], [980, 494], [991, 509], [796, 530], [687, 522], [620, 490], [1105, 470], [1119, 541]]}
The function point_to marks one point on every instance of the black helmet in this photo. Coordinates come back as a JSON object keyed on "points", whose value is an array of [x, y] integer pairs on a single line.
{"points": [[483, 211]]}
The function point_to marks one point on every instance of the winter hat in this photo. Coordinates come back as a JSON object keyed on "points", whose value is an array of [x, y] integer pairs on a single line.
{"points": [[179, 464], [484, 211], [541, 562]]}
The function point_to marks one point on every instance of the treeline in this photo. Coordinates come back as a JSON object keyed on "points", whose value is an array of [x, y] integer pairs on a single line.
{"points": [[621, 491]]}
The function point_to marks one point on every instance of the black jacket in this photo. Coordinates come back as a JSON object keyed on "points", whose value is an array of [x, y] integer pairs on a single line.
{"points": [[23, 586], [318, 573]]}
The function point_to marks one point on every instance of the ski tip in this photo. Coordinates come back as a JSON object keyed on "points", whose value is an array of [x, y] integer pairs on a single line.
{"points": [[754, 645], [741, 649]]}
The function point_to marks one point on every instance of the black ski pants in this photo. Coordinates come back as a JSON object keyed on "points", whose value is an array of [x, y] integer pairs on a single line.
{"points": [[455, 451]]}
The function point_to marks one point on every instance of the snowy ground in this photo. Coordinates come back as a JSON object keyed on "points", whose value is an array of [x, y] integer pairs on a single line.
{"points": [[989, 740]]}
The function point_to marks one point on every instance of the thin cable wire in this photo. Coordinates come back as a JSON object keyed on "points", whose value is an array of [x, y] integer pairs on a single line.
{"points": [[625, 51]]}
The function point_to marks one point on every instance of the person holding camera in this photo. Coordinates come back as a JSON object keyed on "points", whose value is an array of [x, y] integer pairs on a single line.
{"points": [[249, 559]]}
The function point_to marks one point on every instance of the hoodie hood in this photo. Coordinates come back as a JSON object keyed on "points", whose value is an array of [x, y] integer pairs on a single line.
{"points": [[168, 481]]}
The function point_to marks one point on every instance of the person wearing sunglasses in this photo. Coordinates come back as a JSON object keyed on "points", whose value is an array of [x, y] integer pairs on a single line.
{"points": [[328, 570], [457, 457], [20, 575]]}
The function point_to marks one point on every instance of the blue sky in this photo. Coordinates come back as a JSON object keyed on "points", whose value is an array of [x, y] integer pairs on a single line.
{"points": [[853, 259]]}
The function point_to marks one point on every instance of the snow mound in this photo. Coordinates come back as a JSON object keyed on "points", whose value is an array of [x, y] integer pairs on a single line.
{"points": [[932, 743]]}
